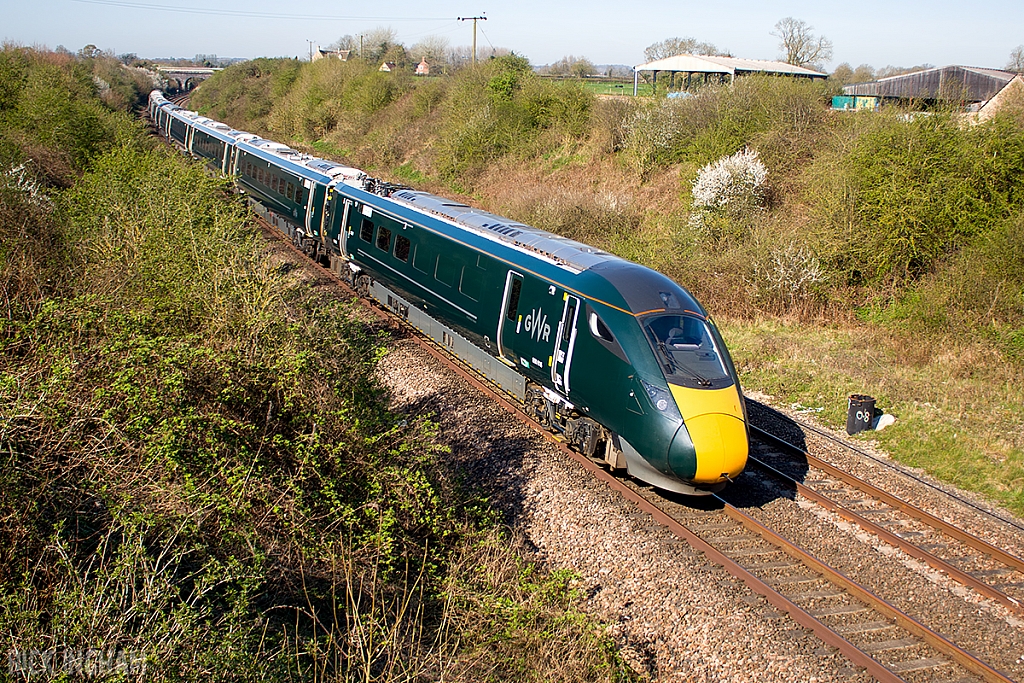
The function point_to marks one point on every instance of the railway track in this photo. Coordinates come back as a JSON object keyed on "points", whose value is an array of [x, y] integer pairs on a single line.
{"points": [[870, 632], [964, 557]]}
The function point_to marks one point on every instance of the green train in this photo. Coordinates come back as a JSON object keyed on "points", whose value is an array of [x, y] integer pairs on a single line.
{"points": [[621, 360]]}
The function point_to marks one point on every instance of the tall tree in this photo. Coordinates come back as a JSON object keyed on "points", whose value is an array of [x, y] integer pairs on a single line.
{"points": [[844, 74], [670, 47], [435, 49], [378, 42], [346, 42], [571, 65], [799, 46], [1016, 62]]}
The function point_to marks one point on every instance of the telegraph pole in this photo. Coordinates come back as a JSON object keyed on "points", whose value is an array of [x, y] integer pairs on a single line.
{"points": [[310, 50], [474, 20]]}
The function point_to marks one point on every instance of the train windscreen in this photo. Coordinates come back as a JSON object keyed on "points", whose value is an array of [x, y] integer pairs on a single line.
{"points": [[687, 351]]}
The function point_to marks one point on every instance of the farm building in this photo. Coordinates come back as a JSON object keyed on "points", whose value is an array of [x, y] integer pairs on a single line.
{"points": [[700, 69], [330, 54], [1012, 94], [970, 86]]}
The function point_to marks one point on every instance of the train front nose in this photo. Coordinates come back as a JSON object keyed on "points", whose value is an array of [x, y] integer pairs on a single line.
{"points": [[714, 434]]}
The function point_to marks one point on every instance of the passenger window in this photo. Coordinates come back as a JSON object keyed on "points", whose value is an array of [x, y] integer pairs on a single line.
{"points": [[366, 230], [472, 282], [383, 239], [447, 270], [423, 261], [298, 195], [291, 191], [513, 299], [402, 247]]}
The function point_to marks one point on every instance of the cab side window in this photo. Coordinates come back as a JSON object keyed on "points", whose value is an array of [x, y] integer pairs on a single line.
{"points": [[603, 334]]}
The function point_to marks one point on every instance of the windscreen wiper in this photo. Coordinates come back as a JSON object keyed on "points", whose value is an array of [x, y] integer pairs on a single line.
{"points": [[674, 367]]}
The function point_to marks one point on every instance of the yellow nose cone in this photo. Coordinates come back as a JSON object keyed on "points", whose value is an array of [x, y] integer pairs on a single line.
{"points": [[720, 442], [714, 420]]}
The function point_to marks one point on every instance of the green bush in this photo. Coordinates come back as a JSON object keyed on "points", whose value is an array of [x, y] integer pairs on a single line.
{"points": [[902, 193], [502, 108], [980, 289], [244, 94], [781, 118]]}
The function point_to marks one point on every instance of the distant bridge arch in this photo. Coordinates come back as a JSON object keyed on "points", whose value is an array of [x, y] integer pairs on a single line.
{"points": [[186, 77]]}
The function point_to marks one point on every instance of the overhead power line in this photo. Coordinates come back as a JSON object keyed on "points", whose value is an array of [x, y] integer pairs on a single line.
{"points": [[250, 13]]}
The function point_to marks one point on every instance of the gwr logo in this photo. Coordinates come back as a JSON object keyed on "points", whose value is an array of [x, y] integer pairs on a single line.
{"points": [[536, 325]]}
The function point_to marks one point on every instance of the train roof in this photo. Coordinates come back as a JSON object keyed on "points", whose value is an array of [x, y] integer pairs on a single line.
{"points": [[305, 165], [561, 250], [221, 131]]}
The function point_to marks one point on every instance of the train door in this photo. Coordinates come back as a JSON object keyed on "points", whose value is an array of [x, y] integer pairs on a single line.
{"points": [[325, 216], [308, 184], [507, 322], [565, 341], [343, 231]]}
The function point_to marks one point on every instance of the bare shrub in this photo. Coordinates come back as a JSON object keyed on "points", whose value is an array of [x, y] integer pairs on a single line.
{"points": [[650, 135], [786, 276], [608, 124]]}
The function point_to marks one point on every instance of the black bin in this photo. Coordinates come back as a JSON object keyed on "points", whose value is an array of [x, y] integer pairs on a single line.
{"points": [[860, 413]]}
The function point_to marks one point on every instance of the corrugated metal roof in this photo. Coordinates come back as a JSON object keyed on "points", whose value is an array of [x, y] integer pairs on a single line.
{"points": [[725, 65], [972, 84]]}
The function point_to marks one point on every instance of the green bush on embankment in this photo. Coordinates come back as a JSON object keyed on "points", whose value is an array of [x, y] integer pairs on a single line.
{"points": [[198, 465]]}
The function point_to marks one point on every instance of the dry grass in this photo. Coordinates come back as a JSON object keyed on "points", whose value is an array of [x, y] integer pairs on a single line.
{"points": [[960, 406]]}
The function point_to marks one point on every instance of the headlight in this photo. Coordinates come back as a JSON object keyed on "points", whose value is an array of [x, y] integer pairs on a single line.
{"points": [[661, 399]]}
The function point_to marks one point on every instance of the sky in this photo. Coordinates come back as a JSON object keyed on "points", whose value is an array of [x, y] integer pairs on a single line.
{"points": [[875, 32]]}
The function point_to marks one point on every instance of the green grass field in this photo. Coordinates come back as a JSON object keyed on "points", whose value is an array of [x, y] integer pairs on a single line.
{"points": [[602, 87]]}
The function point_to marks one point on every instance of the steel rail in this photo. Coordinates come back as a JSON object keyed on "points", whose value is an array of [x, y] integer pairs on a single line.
{"points": [[909, 548], [902, 619], [885, 463], [922, 516]]}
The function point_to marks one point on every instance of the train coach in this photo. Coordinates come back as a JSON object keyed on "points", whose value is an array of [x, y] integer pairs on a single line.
{"points": [[619, 358]]}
